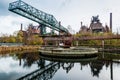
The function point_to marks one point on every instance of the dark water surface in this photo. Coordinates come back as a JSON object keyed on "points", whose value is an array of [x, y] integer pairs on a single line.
{"points": [[30, 65]]}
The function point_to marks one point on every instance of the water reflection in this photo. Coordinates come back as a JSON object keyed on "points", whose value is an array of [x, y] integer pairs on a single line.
{"points": [[13, 66], [28, 58], [96, 67], [31, 66], [67, 66], [48, 73]]}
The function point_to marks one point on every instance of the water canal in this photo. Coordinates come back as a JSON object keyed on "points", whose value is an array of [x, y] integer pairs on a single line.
{"points": [[31, 65]]}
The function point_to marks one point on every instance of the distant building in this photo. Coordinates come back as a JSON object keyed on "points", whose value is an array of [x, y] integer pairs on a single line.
{"points": [[84, 29], [95, 26], [33, 29]]}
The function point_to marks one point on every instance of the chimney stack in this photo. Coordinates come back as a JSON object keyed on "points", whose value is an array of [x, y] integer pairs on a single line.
{"points": [[110, 22], [81, 23], [21, 27]]}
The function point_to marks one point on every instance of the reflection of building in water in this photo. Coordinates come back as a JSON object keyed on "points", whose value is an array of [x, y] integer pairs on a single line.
{"points": [[67, 66], [96, 26], [41, 63], [28, 58], [84, 63], [96, 66]]}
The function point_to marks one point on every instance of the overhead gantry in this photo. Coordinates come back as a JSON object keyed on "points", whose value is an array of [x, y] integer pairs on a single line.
{"points": [[44, 19]]}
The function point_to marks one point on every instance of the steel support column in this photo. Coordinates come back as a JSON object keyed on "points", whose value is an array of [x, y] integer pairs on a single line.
{"points": [[42, 29]]}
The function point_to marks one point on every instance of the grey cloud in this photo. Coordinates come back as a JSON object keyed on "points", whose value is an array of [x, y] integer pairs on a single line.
{"points": [[65, 2], [4, 7]]}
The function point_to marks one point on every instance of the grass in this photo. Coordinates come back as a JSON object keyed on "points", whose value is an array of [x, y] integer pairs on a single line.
{"points": [[17, 48]]}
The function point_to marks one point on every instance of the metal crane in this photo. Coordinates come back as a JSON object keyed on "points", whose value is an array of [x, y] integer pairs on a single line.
{"points": [[44, 19]]}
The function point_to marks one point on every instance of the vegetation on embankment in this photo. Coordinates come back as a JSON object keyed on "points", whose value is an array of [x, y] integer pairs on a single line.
{"points": [[21, 37], [17, 48], [109, 43]]}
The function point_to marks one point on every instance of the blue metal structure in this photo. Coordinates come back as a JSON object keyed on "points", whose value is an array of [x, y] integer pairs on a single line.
{"points": [[44, 19]]}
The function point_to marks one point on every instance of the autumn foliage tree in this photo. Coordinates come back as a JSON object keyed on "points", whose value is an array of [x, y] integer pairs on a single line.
{"points": [[34, 40], [18, 37]]}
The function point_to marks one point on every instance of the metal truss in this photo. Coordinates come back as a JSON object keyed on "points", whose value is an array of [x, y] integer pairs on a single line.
{"points": [[21, 8]]}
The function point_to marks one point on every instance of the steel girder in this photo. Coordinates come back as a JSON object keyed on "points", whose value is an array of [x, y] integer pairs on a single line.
{"points": [[25, 10], [42, 29]]}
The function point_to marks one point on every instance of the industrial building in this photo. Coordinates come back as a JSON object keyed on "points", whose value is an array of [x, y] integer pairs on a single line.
{"points": [[96, 26]]}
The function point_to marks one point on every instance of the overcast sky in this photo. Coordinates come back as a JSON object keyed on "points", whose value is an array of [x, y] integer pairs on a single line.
{"points": [[69, 12]]}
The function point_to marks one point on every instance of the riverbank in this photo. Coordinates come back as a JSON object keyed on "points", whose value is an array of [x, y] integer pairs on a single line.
{"points": [[18, 48]]}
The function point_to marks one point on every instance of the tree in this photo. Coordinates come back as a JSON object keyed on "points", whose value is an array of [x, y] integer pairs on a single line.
{"points": [[34, 40], [20, 37], [11, 39]]}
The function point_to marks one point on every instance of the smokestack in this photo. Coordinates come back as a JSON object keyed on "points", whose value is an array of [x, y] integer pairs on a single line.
{"points": [[81, 23], [21, 27], [111, 22], [59, 26]]}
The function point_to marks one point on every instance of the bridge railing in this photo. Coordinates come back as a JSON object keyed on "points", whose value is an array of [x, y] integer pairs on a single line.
{"points": [[98, 37], [63, 38]]}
